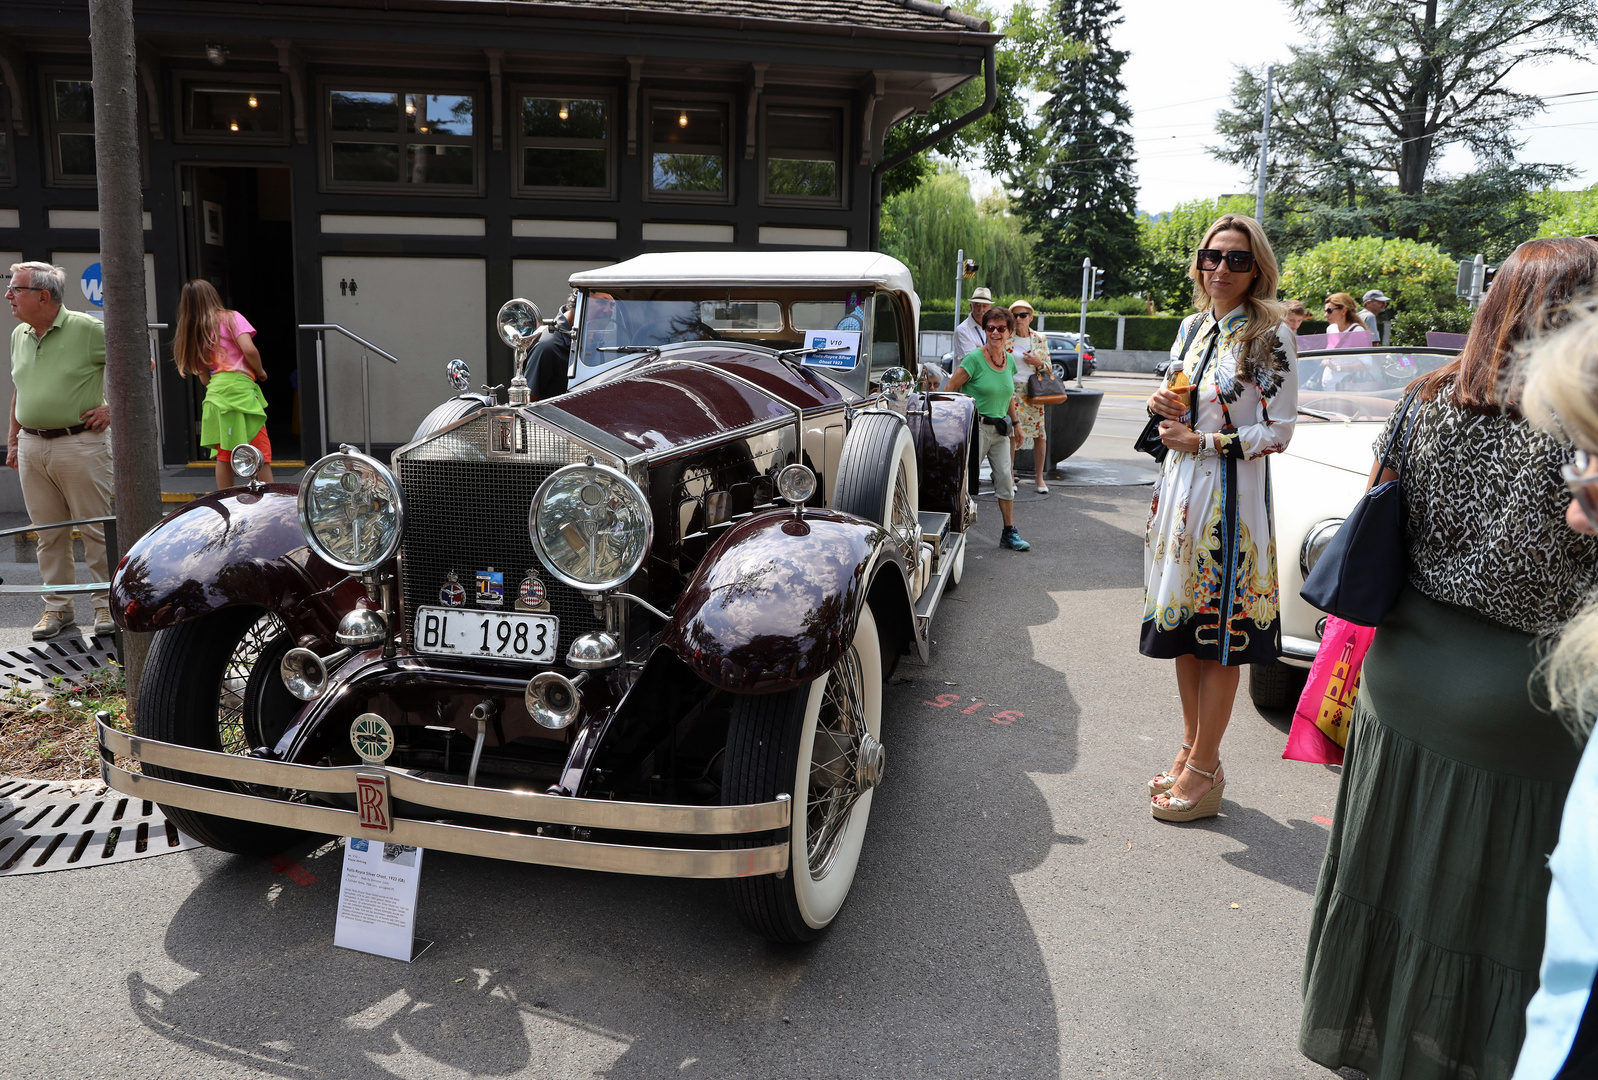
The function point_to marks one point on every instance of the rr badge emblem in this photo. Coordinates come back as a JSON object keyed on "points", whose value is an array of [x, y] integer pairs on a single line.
{"points": [[371, 800]]}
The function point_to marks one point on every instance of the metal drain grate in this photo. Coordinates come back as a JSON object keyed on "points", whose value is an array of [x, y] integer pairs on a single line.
{"points": [[72, 658], [47, 826]]}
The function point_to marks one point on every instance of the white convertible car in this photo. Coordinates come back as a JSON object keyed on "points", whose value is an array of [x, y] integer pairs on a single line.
{"points": [[1345, 396]]}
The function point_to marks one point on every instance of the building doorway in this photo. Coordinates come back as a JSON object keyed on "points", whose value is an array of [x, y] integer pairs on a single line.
{"points": [[240, 237]]}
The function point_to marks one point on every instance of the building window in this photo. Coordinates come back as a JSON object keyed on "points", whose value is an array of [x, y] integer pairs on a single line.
{"points": [[220, 110], [70, 109], [564, 145], [802, 163], [688, 151], [401, 140]]}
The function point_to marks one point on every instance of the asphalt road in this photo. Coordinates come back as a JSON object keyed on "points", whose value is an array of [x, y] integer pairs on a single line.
{"points": [[1017, 910]]}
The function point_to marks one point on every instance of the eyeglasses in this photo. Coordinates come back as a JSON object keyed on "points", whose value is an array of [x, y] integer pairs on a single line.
{"points": [[20, 288], [996, 328], [1238, 262], [1581, 476], [1022, 314]]}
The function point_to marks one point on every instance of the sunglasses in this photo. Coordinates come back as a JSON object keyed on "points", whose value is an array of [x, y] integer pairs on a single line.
{"points": [[1238, 262], [1581, 477], [996, 328]]}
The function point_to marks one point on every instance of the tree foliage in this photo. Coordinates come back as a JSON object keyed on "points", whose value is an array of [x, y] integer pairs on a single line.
{"points": [[1567, 213], [997, 141], [1168, 242], [925, 226], [1077, 193], [1412, 273], [1360, 116]]}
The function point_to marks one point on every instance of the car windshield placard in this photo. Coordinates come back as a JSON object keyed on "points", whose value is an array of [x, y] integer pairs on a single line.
{"points": [[839, 350]]}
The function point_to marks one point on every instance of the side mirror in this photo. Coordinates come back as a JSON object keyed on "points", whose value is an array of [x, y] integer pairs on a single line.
{"points": [[459, 375]]}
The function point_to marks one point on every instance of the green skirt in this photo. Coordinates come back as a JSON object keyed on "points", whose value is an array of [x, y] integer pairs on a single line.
{"points": [[1428, 923]]}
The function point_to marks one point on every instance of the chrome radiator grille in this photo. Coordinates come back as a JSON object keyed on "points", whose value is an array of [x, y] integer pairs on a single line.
{"points": [[466, 510]]}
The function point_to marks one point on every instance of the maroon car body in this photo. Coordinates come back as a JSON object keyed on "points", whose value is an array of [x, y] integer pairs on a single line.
{"points": [[750, 618]]}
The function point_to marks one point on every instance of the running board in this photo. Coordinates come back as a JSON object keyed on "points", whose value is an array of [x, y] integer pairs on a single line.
{"points": [[927, 606]]}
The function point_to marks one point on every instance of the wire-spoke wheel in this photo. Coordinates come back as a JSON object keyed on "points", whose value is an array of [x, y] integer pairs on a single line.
{"points": [[821, 744], [212, 683], [878, 480]]}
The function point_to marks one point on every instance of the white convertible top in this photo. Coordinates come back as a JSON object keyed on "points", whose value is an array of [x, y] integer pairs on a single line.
{"points": [[752, 268]]}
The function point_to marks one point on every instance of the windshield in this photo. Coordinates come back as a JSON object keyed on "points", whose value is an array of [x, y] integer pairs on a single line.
{"points": [[613, 323], [1351, 384]]}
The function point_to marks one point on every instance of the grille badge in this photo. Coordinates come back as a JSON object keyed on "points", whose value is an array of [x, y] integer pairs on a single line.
{"points": [[451, 594], [531, 595], [490, 588]]}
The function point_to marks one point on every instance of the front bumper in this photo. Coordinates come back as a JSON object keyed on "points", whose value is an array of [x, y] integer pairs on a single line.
{"points": [[363, 782]]}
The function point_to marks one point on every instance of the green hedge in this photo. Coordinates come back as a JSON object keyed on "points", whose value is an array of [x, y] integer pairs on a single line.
{"points": [[1142, 331], [1116, 305]]}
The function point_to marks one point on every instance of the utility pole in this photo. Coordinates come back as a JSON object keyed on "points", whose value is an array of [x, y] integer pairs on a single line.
{"points": [[128, 387], [1265, 147], [1082, 328], [959, 279]]}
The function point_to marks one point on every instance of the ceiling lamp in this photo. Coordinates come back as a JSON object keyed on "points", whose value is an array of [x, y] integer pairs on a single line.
{"points": [[233, 125], [565, 113], [253, 102], [682, 119], [216, 52], [410, 108]]}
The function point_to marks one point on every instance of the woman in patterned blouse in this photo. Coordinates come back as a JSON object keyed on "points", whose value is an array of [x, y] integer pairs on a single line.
{"points": [[1209, 559], [1428, 920]]}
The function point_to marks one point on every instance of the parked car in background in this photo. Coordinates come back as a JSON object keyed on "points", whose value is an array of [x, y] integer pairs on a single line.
{"points": [[1063, 352], [640, 627], [1317, 480]]}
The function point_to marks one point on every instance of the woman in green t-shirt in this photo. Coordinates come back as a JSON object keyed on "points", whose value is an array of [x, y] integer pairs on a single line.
{"points": [[988, 376]]}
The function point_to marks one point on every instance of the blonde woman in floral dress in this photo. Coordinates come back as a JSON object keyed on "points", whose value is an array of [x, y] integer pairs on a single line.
{"points": [[1031, 353], [1210, 601]]}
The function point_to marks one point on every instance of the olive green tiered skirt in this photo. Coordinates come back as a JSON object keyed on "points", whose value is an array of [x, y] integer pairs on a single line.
{"points": [[1428, 924]]}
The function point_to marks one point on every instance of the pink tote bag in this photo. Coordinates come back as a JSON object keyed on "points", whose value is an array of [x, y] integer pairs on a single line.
{"points": [[1320, 723]]}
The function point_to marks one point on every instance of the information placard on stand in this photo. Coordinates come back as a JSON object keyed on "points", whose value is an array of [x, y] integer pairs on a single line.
{"points": [[377, 899]]}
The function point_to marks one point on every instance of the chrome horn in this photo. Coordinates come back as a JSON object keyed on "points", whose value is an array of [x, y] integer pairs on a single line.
{"points": [[305, 673], [553, 700]]}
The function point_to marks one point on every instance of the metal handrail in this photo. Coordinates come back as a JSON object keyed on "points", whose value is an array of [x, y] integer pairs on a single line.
{"points": [[113, 555], [366, 376]]}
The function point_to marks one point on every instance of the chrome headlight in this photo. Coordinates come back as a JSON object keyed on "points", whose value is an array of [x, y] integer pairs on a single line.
{"points": [[590, 526], [351, 511], [1315, 541]]}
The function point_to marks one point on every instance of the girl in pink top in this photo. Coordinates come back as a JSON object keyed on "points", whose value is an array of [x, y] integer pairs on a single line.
{"points": [[213, 341]]}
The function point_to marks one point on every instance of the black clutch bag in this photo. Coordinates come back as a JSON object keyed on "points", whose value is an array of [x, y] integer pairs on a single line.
{"points": [[1360, 574]]}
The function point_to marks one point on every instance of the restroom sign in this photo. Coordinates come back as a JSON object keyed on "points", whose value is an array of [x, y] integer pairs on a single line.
{"points": [[90, 283]]}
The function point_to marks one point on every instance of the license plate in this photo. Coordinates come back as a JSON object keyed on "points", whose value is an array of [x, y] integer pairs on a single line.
{"points": [[488, 635]]}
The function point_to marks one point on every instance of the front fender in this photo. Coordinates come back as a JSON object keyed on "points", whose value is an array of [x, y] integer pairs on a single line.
{"points": [[774, 603], [943, 447], [228, 548]]}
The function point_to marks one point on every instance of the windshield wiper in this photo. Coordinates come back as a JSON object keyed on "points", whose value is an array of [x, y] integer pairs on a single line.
{"points": [[1317, 414]]}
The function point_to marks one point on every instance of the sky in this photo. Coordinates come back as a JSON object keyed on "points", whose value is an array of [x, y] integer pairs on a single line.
{"points": [[1179, 73]]}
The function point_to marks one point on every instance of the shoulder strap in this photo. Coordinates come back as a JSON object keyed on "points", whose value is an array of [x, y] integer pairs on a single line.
{"points": [[1405, 427]]}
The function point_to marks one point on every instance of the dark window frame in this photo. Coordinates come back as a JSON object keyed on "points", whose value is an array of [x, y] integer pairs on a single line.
{"points": [[667, 97], [186, 80], [521, 143], [786, 101], [324, 98], [54, 128], [8, 149]]}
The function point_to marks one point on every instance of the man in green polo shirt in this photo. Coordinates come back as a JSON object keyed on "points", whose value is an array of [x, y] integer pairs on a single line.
{"points": [[58, 434]]}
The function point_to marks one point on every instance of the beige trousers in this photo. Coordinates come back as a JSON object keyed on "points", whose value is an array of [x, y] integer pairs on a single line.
{"points": [[62, 480]]}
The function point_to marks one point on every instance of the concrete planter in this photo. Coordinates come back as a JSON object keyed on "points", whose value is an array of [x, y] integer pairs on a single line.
{"points": [[1067, 425]]}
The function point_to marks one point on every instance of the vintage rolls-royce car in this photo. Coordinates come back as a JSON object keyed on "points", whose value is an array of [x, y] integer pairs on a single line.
{"points": [[639, 627], [1344, 398]]}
